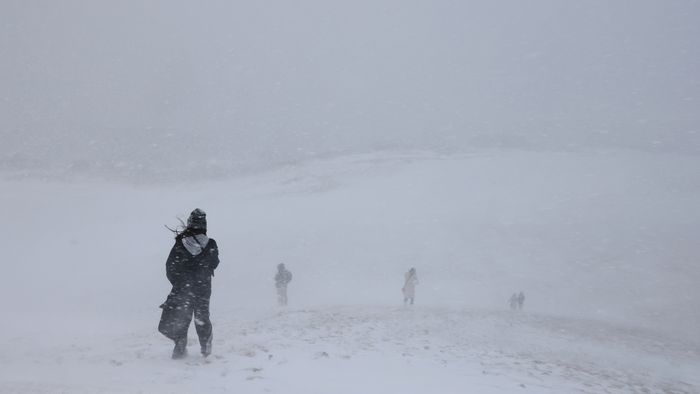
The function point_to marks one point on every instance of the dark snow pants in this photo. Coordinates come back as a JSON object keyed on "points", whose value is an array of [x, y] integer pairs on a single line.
{"points": [[177, 314]]}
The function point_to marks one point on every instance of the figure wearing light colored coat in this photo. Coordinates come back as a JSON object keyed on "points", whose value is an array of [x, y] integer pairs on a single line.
{"points": [[409, 287]]}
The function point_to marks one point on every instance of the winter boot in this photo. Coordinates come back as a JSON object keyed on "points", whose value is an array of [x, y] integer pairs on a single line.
{"points": [[180, 350], [206, 346]]}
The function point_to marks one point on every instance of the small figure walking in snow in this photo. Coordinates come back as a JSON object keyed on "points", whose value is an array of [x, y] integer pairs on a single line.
{"points": [[189, 268], [521, 300], [409, 287], [513, 301], [282, 279]]}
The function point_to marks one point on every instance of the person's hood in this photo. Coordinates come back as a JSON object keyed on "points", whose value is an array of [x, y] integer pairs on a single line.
{"points": [[197, 220]]}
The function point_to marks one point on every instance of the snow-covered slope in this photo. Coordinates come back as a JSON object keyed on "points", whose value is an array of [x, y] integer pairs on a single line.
{"points": [[604, 246], [365, 350]]}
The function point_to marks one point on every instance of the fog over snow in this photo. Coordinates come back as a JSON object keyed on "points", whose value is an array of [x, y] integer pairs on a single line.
{"points": [[547, 147], [143, 89]]}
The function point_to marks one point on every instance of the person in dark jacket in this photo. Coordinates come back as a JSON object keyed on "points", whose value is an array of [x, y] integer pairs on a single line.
{"points": [[282, 279], [513, 301], [521, 300], [189, 268]]}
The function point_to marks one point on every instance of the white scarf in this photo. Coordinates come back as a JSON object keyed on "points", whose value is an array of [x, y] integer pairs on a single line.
{"points": [[195, 244]]}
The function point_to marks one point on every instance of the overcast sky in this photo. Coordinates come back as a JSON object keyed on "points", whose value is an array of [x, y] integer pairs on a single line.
{"points": [[167, 82]]}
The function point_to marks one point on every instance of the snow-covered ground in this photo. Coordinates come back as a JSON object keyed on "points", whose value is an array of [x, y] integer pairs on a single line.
{"points": [[604, 246], [365, 350]]}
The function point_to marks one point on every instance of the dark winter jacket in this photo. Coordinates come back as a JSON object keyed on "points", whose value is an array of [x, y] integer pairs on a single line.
{"points": [[282, 278], [191, 264]]}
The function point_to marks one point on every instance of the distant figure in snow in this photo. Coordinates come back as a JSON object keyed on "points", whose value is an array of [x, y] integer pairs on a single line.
{"points": [[282, 279], [521, 300], [409, 287], [513, 301], [189, 268]]}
